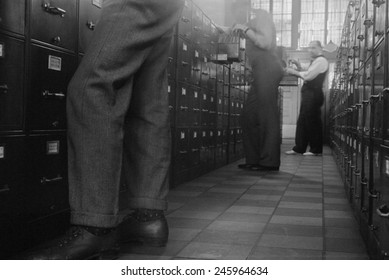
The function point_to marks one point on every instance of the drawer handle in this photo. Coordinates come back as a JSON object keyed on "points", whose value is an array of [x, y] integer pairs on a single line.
{"points": [[183, 108], [4, 188], [91, 25], [378, 3], [58, 95], [183, 152], [54, 10], [379, 33], [383, 211], [184, 19], [4, 88], [184, 63], [170, 59], [55, 123], [57, 40], [45, 180]]}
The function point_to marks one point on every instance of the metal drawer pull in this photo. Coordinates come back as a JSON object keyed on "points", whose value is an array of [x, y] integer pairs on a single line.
{"points": [[44, 180], [183, 152], [383, 211], [4, 188], [4, 88], [57, 40], [378, 3], [54, 10], [184, 19], [91, 25], [47, 93]]}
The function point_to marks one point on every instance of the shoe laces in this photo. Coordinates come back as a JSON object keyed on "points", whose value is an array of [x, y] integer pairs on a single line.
{"points": [[71, 234]]}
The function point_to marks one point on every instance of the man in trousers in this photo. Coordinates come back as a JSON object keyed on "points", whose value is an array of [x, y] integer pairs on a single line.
{"points": [[118, 129]]}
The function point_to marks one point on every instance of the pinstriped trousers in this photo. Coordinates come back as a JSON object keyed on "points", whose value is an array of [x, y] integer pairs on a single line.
{"points": [[117, 112]]}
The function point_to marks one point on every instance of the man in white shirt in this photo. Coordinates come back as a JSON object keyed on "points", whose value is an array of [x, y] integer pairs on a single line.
{"points": [[309, 124]]}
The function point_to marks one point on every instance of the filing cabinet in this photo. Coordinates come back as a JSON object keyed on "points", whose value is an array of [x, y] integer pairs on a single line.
{"points": [[182, 154], [41, 44], [205, 71], [171, 91], [51, 73], [380, 18], [183, 105], [185, 21], [197, 58], [184, 61], [197, 26], [12, 165], [89, 15], [12, 15], [56, 14], [11, 83], [195, 143], [195, 108]]}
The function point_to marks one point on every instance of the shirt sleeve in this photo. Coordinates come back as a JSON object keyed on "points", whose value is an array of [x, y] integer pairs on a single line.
{"points": [[318, 66]]}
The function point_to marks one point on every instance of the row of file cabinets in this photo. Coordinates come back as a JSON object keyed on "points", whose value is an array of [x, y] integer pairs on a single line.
{"points": [[194, 106], [51, 71], [364, 29], [364, 166], [201, 150], [362, 105], [190, 64], [33, 189], [196, 27], [79, 16]]}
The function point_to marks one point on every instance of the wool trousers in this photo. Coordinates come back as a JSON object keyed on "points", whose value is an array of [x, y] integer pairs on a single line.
{"points": [[118, 115]]}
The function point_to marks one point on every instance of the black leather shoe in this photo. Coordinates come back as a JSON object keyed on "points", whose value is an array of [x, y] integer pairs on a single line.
{"points": [[146, 226], [245, 166], [264, 168], [78, 244]]}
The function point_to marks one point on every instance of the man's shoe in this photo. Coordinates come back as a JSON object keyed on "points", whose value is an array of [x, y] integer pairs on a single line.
{"points": [[258, 167], [79, 244], [145, 226], [245, 166], [311, 154], [291, 152]]}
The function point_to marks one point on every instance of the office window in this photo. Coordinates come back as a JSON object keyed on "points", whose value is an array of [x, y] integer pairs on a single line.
{"points": [[336, 16], [261, 4], [282, 16], [312, 24]]}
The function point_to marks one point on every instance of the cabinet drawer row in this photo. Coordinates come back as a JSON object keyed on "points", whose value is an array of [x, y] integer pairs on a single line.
{"points": [[56, 14]]}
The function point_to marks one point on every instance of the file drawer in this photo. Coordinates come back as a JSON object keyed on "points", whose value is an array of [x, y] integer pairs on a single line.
{"points": [[48, 19], [51, 73], [11, 83], [12, 15], [89, 16]]}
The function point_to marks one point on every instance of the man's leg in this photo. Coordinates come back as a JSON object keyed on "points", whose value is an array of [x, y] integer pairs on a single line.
{"points": [[99, 97]]}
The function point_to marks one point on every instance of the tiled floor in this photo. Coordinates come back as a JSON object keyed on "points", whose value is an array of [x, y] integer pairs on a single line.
{"points": [[298, 213]]}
